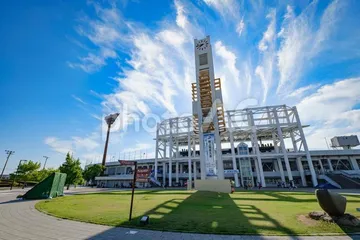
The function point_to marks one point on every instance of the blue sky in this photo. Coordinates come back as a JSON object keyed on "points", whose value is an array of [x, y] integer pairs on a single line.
{"points": [[64, 65]]}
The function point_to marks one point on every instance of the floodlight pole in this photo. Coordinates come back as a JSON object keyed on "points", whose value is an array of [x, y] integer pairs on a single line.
{"points": [[9, 153], [46, 158], [106, 146], [110, 119]]}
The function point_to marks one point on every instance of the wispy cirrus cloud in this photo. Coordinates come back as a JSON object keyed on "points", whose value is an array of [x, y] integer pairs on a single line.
{"points": [[227, 8], [240, 27], [267, 48], [267, 63], [79, 99], [300, 92], [302, 40]]}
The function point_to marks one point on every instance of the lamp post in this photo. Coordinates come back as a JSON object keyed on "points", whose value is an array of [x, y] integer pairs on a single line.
{"points": [[110, 119], [16, 173], [9, 153], [46, 158]]}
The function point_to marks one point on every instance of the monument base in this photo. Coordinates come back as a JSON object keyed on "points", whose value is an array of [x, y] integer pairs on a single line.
{"points": [[213, 185]]}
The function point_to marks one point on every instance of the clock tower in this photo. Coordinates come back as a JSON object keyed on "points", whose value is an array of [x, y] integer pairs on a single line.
{"points": [[208, 112]]}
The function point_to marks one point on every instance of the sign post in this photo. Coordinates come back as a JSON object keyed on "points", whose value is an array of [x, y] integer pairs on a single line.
{"points": [[132, 163], [132, 191]]}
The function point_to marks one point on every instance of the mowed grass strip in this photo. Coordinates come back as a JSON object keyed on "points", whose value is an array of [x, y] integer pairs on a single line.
{"points": [[248, 212]]}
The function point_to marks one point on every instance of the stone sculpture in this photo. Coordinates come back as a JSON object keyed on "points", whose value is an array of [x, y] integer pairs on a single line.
{"points": [[332, 203]]}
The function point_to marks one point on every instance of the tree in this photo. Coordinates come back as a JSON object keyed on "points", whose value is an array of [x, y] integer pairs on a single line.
{"points": [[40, 175], [72, 169], [26, 169], [92, 171]]}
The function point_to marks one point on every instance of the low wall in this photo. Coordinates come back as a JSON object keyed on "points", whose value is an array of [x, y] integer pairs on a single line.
{"points": [[213, 185]]}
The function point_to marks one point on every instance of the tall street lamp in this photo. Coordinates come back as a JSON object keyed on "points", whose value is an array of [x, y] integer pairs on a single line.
{"points": [[9, 153], [110, 119], [46, 158], [16, 173]]}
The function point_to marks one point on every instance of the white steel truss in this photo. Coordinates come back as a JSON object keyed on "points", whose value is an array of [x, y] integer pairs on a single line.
{"points": [[277, 126]]}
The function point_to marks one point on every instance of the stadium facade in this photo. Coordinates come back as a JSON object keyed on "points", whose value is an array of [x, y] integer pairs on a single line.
{"points": [[261, 145]]}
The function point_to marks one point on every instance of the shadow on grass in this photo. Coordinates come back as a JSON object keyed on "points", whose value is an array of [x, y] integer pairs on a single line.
{"points": [[207, 212], [142, 192], [285, 197]]}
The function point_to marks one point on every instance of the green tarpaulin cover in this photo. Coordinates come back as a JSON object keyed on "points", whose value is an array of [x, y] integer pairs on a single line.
{"points": [[50, 187]]}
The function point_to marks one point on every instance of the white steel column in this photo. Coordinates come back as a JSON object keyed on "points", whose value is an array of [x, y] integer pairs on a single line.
{"points": [[257, 170], [156, 150], [282, 145], [181, 167], [279, 162], [177, 152], [177, 171], [164, 163], [354, 163], [194, 169], [177, 155], [255, 146], [276, 166], [189, 154], [308, 157], [241, 174], [301, 171], [330, 164], [298, 159], [164, 173], [321, 166], [170, 153], [236, 177]]}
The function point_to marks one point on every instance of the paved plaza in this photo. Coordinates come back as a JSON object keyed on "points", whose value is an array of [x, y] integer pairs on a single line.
{"points": [[20, 220]]}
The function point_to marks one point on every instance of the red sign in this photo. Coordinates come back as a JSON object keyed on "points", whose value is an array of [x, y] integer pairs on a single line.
{"points": [[142, 175], [131, 163]]}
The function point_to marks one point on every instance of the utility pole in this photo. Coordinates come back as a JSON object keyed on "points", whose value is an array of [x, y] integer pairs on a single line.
{"points": [[9, 153], [46, 158]]}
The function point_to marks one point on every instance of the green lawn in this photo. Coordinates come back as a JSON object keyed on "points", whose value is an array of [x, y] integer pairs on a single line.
{"points": [[250, 212]]}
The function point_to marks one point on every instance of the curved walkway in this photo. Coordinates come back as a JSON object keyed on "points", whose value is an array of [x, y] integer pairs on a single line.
{"points": [[20, 220]]}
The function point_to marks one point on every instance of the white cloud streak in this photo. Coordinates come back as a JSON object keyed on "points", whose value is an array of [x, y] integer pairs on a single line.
{"points": [[79, 99], [267, 48], [300, 92], [240, 27], [227, 8], [302, 41], [158, 68], [229, 59]]}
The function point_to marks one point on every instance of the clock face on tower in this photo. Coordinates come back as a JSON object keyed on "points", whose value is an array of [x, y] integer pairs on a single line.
{"points": [[202, 44]]}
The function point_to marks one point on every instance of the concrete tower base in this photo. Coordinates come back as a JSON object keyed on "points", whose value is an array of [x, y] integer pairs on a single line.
{"points": [[213, 185]]}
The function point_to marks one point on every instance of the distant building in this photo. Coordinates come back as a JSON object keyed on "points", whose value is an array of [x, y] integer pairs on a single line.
{"points": [[6, 177]]}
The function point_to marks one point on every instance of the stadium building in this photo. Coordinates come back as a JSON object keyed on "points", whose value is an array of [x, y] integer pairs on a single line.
{"points": [[252, 146]]}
